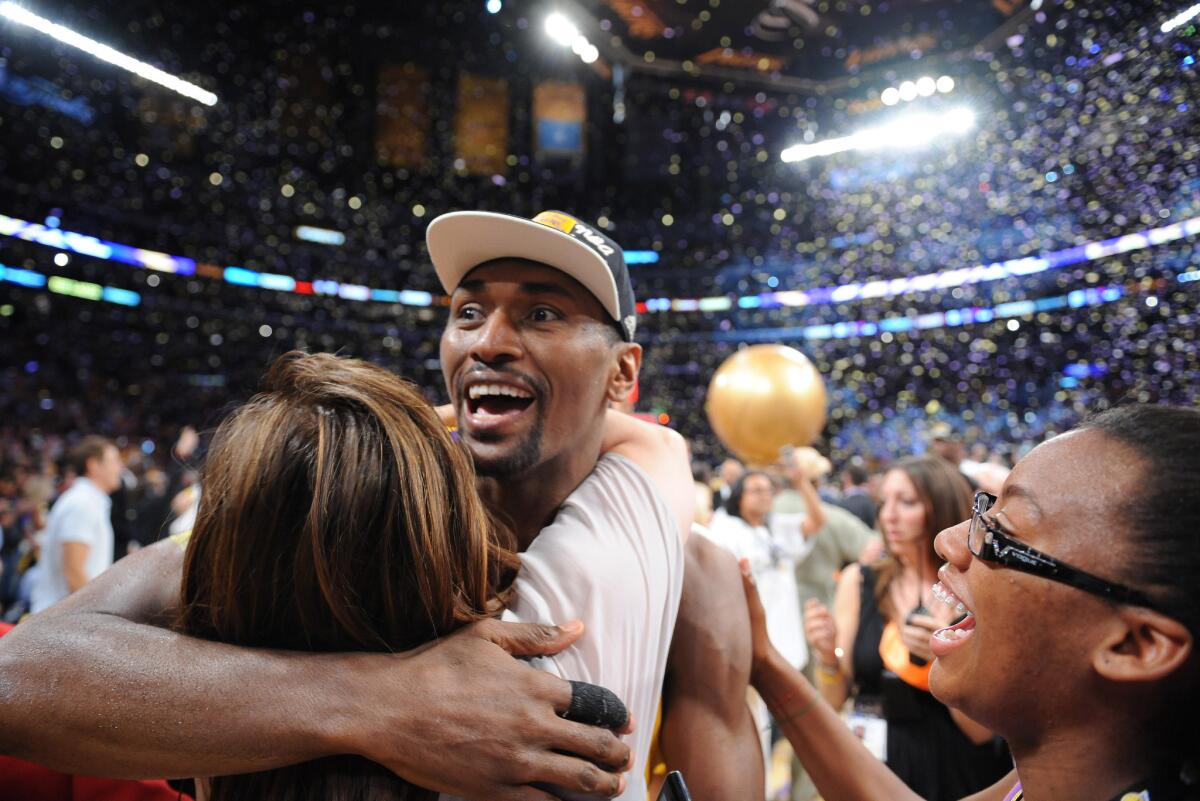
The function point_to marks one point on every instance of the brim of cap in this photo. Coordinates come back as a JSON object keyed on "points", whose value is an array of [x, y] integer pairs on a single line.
{"points": [[462, 240]]}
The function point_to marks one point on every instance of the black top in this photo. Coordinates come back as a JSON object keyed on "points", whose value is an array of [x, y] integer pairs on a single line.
{"points": [[925, 747]]}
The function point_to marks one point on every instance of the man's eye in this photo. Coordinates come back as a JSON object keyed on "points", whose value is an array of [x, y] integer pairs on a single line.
{"points": [[544, 315], [469, 313]]}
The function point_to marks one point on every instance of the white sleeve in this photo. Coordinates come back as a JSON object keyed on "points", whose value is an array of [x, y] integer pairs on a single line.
{"points": [[788, 533], [612, 558], [80, 522]]}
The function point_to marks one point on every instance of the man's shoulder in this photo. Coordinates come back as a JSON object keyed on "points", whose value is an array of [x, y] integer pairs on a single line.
{"points": [[618, 507], [617, 483]]}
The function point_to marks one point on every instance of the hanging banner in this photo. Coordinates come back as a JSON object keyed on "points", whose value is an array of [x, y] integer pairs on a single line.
{"points": [[481, 127], [402, 115], [559, 112]]}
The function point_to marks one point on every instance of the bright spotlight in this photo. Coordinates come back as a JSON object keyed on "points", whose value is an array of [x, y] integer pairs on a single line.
{"points": [[23, 16], [945, 84], [494, 6], [912, 130], [580, 45], [890, 96], [561, 29], [926, 86], [908, 91], [589, 54], [1180, 18]]}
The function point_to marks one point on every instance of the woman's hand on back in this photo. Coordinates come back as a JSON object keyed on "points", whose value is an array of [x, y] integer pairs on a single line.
{"points": [[761, 646]]}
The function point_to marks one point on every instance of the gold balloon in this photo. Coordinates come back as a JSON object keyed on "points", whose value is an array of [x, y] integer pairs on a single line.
{"points": [[764, 398]]}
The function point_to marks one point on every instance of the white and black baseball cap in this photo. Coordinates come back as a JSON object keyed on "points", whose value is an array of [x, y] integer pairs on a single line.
{"points": [[462, 240]]}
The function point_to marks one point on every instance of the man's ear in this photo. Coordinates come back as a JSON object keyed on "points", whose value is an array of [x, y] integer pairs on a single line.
{"points": [[624, 377], [1145, 646]]}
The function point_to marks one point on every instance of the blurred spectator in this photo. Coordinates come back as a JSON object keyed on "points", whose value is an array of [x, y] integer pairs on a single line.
{"points": [[78, 543], [855, 498], [728, 474]]}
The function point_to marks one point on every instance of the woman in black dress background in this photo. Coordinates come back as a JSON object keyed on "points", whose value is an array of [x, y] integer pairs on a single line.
{"points": [[874, 647]]}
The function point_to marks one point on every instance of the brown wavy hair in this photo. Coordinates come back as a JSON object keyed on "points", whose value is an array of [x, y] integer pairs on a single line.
{"points": [[946, 496], [337, 514]]}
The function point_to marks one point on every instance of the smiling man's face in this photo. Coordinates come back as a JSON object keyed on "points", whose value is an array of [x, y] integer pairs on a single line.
{"points": [[529, 360]]}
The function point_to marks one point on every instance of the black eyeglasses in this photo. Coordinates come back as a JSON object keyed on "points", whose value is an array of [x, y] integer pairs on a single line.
{"points": [[989, 542]]}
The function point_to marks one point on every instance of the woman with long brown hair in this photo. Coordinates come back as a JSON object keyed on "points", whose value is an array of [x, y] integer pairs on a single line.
{"points": [[874, 648], [337, 515]]}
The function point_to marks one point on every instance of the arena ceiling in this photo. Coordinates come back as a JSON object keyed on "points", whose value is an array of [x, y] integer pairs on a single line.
{"points": [[794, 44]]}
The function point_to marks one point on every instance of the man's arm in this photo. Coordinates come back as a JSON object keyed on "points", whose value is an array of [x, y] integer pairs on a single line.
{"points": [[708, 732], [797, 474], [93, 686], [74, 559]]}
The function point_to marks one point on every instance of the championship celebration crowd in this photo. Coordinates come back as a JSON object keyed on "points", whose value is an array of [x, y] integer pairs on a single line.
{"points": [[312, 418]]}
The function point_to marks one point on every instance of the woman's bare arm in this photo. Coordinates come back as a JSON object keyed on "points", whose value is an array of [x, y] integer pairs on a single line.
{"points": [[840, 765]]}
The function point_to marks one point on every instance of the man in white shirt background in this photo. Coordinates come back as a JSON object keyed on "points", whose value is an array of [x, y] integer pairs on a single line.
{"points": [[773, 544], [77, 544]]}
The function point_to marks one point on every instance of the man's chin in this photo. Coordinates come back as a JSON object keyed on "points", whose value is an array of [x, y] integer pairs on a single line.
{"points": [[503, 456]]}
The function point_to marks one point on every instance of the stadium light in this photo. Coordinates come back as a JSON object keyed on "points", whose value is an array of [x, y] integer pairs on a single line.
{"points": [[1181, 18], [909, 131], [561, 29], [23, 16], [926, 86], [563, 32]]}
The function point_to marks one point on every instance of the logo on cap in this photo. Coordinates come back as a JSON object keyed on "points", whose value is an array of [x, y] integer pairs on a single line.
{"points": [[559, 222]]}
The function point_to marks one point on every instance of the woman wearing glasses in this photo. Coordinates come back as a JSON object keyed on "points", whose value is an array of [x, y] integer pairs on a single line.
{"points": [[1082, 587], [875, 647]]}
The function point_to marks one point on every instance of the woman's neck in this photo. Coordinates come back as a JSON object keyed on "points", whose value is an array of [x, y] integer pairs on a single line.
{"points": [[1090, 762]]}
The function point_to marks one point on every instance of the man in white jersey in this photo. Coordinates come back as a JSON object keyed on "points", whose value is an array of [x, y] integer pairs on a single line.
{"points": [[538, 344], [78, 542]]}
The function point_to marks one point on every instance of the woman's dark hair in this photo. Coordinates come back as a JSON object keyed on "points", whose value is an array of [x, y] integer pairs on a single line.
{"points": [[733, 504], [1163, 518], [946, 496], [1164, 515], [337, 515]]}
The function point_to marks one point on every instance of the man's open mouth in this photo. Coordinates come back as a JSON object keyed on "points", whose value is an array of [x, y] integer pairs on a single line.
{"points": [[497, 400]]}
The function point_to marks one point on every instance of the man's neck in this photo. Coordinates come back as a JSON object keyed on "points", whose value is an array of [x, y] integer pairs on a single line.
{"points": [[529, 501], [755, 520], [1086, 763]]}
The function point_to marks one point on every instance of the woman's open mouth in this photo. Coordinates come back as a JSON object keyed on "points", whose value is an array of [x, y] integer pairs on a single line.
{"points": [[945, 640]]}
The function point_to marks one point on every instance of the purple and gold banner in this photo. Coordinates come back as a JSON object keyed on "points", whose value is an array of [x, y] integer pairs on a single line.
{"points": [[402, 116], [481, 127]]}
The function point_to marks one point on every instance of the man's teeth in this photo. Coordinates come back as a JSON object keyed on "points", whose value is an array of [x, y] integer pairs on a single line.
{"points": [[481, 390], [948, 598]]}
